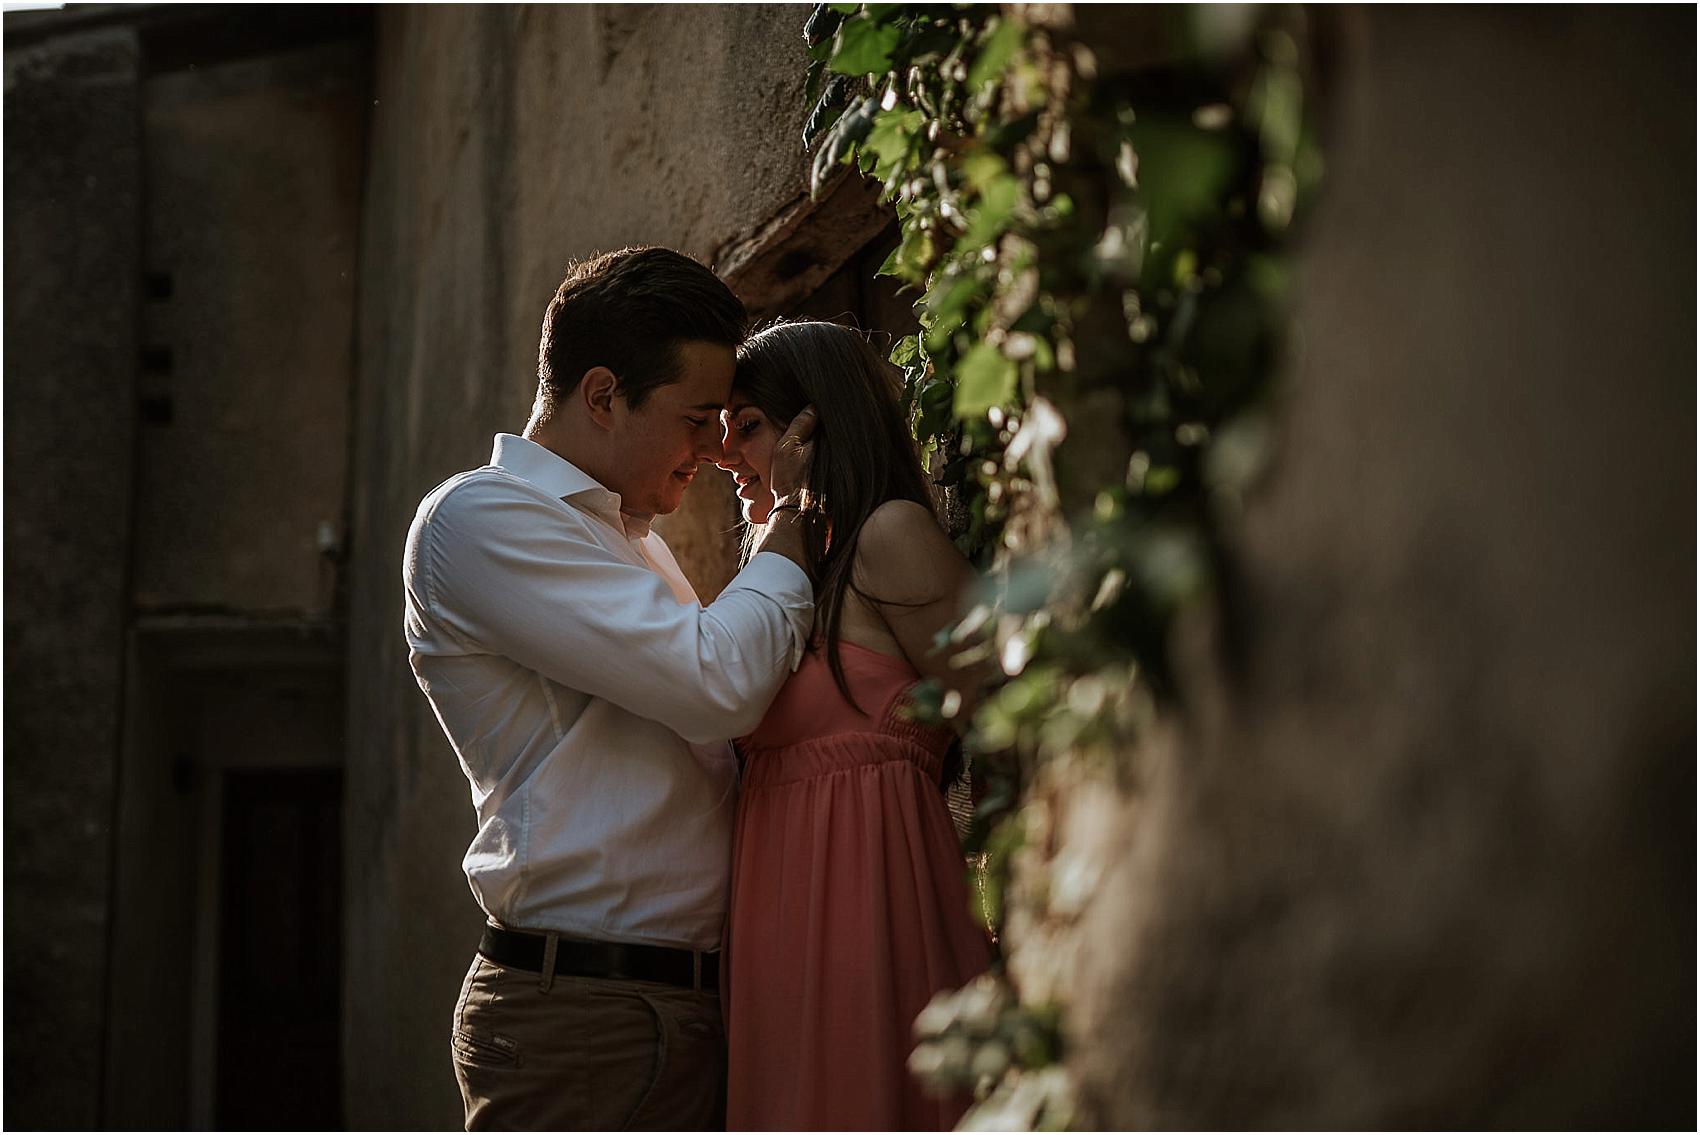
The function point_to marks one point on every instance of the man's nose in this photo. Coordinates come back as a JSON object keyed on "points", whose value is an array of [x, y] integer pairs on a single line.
{"points": [[709, 447]]}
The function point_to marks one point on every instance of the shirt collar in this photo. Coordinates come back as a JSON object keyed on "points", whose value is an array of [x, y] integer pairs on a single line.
{"points": [[559, 477]]}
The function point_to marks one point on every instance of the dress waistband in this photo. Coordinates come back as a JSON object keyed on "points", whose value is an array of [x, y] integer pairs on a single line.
{"points": [[766, 767]]}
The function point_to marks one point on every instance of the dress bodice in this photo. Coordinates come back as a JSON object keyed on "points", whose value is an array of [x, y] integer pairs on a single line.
{"points": [[806, 730]]}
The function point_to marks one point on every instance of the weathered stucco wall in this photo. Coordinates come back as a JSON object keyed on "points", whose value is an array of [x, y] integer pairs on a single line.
{"points": [[254, 170], [73, 179], [504, 143], [1430, 863]]}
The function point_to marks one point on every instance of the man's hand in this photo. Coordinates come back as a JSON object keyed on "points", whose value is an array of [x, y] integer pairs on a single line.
{"points": [[792, 456]]}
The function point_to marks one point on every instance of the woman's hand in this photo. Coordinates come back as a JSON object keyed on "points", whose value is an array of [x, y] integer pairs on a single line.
{"points": [[793, 453]]}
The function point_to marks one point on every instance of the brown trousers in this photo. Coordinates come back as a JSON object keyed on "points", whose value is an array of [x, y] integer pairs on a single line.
{"points": [[587, 1054]]}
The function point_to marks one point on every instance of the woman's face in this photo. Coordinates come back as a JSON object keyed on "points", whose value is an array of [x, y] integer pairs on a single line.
{"points": [[748, 445]]}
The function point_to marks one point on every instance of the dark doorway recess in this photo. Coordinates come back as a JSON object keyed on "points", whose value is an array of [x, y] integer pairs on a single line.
{"points": [[280, 967]]}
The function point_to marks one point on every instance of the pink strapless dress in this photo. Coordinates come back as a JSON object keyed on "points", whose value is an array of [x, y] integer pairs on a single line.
{"points": [[849, 907]]}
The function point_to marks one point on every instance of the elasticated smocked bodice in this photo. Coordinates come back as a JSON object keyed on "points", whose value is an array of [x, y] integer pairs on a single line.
{"points": [[811, 730]]}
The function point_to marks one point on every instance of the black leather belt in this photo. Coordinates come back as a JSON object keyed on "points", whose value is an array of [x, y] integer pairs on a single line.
{"points": [[690, 969]]}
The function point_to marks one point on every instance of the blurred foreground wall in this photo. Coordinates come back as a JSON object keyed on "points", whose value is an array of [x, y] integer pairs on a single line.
{"points": [[1429, 863], [504, 142]]}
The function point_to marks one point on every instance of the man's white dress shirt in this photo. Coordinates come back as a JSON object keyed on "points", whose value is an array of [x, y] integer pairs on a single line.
{"points": [[571, 666]]}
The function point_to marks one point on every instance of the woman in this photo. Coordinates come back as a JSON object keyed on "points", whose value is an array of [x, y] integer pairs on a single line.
{"points": [[849, 905]]}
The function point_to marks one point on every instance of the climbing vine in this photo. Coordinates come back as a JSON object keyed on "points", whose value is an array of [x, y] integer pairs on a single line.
{"points": [[1092, 223]]}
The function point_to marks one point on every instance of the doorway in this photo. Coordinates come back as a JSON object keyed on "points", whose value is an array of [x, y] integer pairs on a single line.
{"points": [[226, 977], [280, 930]]}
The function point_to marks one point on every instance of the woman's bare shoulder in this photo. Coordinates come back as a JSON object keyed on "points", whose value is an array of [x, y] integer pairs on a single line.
{"points": [[897, 521], [902, 551]]}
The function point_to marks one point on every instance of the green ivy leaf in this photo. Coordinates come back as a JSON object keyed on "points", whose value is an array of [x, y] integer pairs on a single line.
{"points": [[1161, 479], [864, 47], [995, 53], [823, 21], [947, 302], [1184, 177], [841, 140], [935, 416], [989, 218], [890, 139], [909, 259], [826, 111], [980, 167], [984, 378]]}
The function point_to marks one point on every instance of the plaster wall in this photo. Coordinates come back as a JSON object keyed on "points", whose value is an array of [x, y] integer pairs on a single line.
{"points": [[254, 174], [73, 169], [504, 143]]}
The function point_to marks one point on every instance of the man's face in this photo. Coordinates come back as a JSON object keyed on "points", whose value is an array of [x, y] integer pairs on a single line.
{"points": [[660, 444]]}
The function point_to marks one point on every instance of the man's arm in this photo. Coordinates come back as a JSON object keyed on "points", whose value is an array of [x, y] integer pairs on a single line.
{"points": [[503, 571]]}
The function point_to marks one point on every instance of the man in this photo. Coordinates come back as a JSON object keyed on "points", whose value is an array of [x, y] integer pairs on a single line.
{"points": [[575, 673]]}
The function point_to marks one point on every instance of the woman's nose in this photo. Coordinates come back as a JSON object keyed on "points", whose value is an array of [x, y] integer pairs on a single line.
{"points": [[709, 449], [731, 453]]}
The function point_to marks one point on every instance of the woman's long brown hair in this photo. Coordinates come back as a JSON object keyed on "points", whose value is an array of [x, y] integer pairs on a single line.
{"points": [[863, 452]]}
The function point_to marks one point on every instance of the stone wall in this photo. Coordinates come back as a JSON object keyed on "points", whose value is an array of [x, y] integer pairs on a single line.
{"points": [[504, 142], [1429, 862], [73, 219]]}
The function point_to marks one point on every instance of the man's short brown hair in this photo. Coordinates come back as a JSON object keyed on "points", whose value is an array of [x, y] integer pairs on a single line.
{"points": [[629, 311]]}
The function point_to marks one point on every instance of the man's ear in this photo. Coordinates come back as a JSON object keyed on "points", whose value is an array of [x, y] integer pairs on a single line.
{"points": [[598, 389]]}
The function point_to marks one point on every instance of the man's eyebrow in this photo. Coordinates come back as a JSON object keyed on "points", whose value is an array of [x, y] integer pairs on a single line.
{"points": [[709, 406]]}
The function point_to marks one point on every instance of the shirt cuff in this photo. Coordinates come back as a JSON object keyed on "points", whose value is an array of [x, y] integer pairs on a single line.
{"points": [[781, 580]]}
